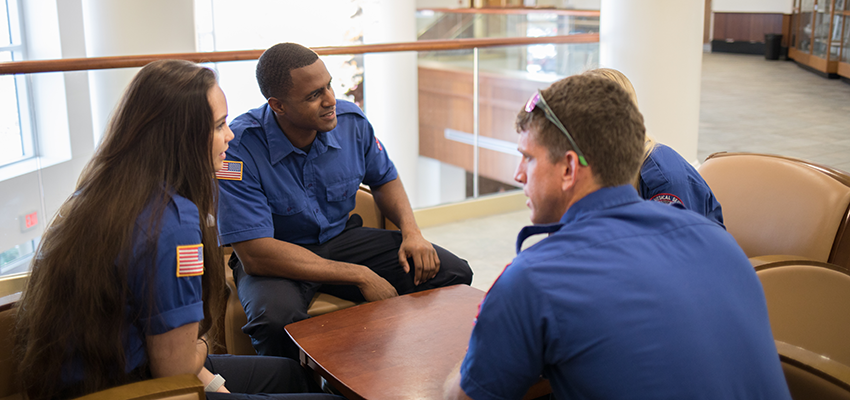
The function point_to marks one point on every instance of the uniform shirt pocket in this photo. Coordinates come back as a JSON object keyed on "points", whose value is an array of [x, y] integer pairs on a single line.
{"points": [[343, 190], [287, 205]]}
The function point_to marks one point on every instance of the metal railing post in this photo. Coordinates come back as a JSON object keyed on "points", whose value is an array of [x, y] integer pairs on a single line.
{"points": [[475, 124]]}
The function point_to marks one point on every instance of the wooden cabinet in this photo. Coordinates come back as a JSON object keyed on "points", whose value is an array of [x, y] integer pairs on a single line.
{"points": [[820, 36]]}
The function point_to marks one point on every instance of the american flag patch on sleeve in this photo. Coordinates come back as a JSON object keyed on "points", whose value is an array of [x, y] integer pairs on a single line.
{"points": [[231, 170], [190, 260]]}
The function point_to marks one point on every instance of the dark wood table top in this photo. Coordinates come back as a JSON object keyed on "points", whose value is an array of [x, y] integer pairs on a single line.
{"points": [[399, 348]]}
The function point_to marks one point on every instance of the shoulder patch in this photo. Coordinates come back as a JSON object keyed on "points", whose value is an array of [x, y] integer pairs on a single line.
{"points": [[231, 171], [190, 260], [667, 198], [380, 148]]}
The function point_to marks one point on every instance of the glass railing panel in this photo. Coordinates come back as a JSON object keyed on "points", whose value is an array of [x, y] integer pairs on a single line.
{"points": [[425, 20], [433, 25], [446, 125], [507, 76], [23, 221], [33, 189]]}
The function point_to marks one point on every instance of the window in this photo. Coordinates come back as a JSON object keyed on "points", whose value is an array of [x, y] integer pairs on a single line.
{"points": [[17, 259], [15, 131]]}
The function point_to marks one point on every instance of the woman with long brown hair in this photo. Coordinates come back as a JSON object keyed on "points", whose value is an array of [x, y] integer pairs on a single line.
{"points": [[119, 290]]}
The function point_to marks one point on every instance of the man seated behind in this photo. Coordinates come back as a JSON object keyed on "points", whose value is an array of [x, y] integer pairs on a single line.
{"points": [[293, 169], [626, 298]]}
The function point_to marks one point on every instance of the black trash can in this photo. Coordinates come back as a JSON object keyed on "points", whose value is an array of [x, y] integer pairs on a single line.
{"points": [[772, 46]]}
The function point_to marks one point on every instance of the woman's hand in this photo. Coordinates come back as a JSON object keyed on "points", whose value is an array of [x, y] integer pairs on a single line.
{"points": [[206, 377]]}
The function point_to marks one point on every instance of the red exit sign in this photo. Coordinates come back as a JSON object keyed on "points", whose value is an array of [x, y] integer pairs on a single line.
{"points": [[29, 221]]}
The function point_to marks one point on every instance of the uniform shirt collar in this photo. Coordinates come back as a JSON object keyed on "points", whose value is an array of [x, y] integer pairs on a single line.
{"points": [[280, 146], [602, 199]]}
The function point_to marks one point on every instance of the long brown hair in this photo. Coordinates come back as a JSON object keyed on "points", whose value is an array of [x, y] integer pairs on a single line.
{"points": [[74, 309]]}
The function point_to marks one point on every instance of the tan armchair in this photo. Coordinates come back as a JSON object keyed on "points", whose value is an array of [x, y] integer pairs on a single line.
{"points": [[180, 387], [236, 341], [808, 303], [811, 376], [776, 205]]}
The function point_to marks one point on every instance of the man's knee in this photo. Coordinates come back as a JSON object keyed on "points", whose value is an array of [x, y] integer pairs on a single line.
{"points": [[272, 318], [459, 272], [266, 329], [456, 270], [270, 303]]}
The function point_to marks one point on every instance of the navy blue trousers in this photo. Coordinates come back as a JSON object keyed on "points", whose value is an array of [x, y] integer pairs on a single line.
{"points": [[272, 303], [256, 377]]}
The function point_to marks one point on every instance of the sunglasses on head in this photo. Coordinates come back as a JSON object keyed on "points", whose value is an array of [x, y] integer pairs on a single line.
{"points": [[538, 100]]}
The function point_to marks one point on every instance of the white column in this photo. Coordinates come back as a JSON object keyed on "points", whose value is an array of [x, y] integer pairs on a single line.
{"points": [[114, 28], [658, 45], [445, 183], [391, 90], [428, 170]]}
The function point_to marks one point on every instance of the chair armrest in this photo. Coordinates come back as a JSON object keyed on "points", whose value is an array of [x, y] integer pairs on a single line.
{"points": [[13, 284], [816, 364], [187, 386], [366, 207], [781, 259]]}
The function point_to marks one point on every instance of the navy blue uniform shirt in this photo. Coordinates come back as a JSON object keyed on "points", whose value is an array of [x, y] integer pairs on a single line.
{"points": [[176, 282], [667, 178], [626, 299], [277, 190]]}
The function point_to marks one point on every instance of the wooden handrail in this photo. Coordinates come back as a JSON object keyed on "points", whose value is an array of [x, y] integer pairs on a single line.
{"points": [[81, 64]]}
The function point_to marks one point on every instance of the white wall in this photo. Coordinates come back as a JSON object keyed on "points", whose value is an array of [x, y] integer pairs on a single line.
{"points": [[754, 6]]}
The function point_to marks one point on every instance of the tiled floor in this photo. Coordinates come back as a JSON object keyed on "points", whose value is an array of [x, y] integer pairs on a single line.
{"points": [[747, 104], [751, 104], [486, 243]]}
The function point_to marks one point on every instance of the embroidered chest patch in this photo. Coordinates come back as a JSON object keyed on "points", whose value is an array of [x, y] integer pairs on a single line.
{"points": [[190, 260], [231, 170], [667, 198]]}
